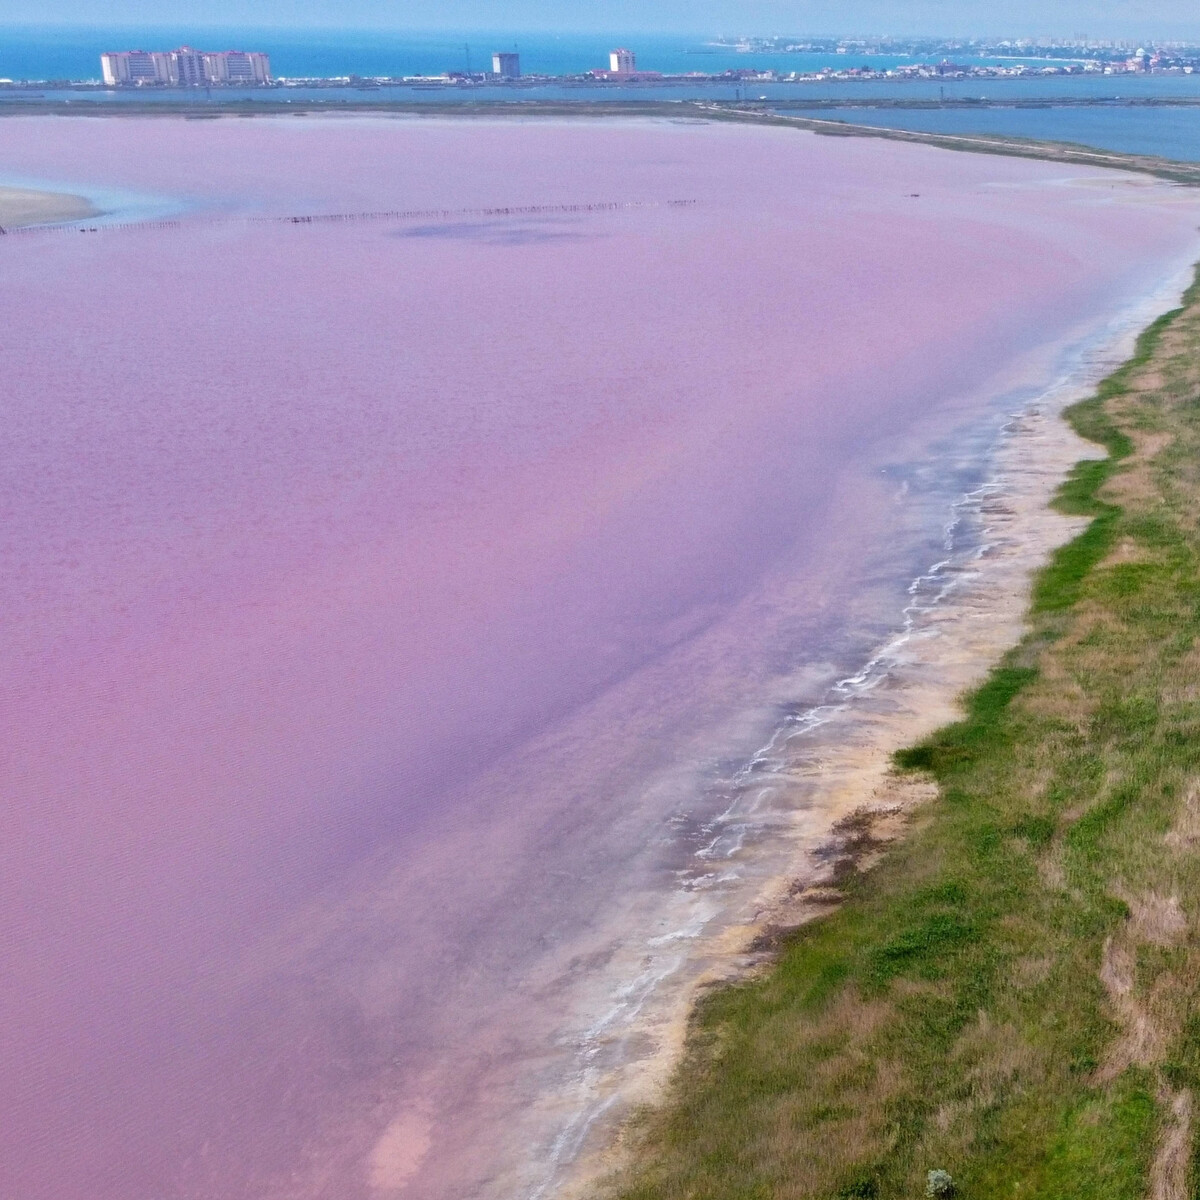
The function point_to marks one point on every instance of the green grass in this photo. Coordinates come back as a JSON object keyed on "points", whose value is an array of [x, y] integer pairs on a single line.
{"points": [[952, 1013]]}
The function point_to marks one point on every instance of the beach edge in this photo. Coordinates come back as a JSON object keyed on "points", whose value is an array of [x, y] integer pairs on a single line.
{"points": [[897, 783]]}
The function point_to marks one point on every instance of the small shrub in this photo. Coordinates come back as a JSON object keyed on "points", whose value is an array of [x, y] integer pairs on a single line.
{"points": [[939, 1184], [862, 1187]]}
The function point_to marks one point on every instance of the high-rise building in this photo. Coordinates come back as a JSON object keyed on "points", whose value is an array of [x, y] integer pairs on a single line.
{"points": [[184, 67], [507, 66], [189, 67], [237, 66], [621, 62], [137, 67]]}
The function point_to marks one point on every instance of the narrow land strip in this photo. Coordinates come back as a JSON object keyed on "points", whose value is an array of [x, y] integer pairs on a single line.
{"points": [[1064, 152], [1013, 994]]}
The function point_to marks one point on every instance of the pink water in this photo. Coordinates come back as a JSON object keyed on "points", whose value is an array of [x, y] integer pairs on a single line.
{"points": [[362, 584]]}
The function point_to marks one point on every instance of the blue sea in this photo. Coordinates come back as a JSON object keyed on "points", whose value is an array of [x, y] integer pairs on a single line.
{"points": [[73, 52]]}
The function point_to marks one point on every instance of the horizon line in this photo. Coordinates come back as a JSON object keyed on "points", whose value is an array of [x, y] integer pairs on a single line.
{"points": [[417, 31]]}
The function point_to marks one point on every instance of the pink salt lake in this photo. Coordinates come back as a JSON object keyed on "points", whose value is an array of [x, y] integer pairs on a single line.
{"points": [[381, 600]]}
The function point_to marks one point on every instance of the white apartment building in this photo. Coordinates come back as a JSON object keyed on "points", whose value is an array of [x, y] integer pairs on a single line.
{"points": [[136, 66], [621, 62], [237, 66]]}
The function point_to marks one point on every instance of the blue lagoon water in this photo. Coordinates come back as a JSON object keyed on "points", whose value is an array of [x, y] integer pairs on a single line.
{"points": [[1168, 131]]}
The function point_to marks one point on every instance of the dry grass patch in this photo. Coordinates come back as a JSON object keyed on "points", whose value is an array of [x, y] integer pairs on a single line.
{"points": [[1184, 834], [1169, 1173]]}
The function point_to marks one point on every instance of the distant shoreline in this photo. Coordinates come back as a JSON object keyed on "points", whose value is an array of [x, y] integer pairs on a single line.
{"points": [[1064, 152]]}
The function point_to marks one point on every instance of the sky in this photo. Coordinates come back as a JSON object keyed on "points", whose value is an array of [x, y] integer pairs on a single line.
{"points": [[1097, 18]]}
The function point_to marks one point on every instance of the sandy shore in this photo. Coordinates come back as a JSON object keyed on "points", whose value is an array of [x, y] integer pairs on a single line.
{"points": [[846, 800], [21, 206]]}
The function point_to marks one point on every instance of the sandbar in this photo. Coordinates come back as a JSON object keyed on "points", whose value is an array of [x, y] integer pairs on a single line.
{"points": [[24, 206]]}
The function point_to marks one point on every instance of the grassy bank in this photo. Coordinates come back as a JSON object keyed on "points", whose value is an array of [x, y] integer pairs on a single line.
{"points": [[1013, 994]]}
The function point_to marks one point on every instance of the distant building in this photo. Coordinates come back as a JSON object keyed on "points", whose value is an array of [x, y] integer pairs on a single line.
{"points": [[184, 67], [507, 66], [237, 66], [622, 68], [189, 68], [136, 67], [622, 62]]}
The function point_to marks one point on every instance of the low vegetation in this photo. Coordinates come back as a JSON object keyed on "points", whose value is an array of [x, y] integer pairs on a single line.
{"points": [[1009, 1003]]}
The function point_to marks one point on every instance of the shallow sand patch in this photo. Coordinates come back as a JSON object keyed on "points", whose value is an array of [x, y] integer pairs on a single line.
{"points": [[23, 206], [399, 1153]]}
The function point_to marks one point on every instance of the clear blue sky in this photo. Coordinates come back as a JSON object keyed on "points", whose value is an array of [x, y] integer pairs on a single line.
{"points": [[1099, 18]]}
